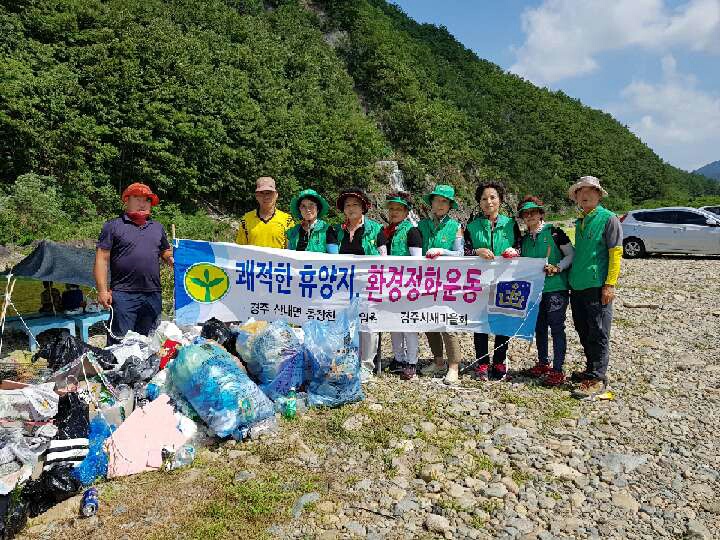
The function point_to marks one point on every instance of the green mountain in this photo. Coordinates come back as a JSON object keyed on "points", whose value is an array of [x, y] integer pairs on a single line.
{"points": [[199, 97], [711, 170]]}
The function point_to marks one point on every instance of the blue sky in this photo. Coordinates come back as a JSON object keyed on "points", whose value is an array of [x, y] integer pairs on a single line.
{"points": [[653, 64]]}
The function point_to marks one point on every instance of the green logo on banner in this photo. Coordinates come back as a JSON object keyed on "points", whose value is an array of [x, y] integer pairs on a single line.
{"points": [[206, 283]]}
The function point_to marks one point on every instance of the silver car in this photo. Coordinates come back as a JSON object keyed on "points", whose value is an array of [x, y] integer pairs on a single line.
{"points": [[712, 209], [670, 230]]}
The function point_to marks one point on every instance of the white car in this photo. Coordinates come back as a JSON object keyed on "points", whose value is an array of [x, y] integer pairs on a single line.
{"points": [[670, 230], [712, 209]]}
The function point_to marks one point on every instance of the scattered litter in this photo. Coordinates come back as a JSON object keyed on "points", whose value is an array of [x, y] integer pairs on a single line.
{"points": [[90, 502], [277, 360], [95, 463], [184, 456], [333, 349], [54, 486], [217, 331], [151, 403], [221, 393], [28, 402], [65, 349], [136, 446]]}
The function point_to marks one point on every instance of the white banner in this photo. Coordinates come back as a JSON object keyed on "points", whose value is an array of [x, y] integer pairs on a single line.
{"points": [[396, 294]]}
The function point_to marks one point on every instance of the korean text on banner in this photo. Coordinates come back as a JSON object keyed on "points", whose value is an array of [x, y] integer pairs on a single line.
{"points": [[397, 294]]}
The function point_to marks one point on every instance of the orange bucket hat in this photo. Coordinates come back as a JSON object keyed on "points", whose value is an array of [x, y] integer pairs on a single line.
{"points": [[140, 190]]}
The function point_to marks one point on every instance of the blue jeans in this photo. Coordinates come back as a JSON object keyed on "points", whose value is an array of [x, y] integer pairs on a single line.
{"points": [[138, 312], [553, 308]]}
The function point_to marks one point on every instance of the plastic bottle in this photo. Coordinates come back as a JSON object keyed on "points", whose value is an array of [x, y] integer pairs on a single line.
{"points": [[290, 409], [268, 426], [183, 457]]}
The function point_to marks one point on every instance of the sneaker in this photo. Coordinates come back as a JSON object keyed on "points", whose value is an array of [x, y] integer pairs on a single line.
{"points": [[539, 370], [499, 372], [579, 376], [554, 378], [481, 372], [408, 372], [433, 370], [396, 367], [452, 376], [589, 388]]}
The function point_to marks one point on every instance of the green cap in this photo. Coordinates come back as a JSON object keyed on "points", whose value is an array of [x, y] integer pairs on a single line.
{"points": [[308, 194], [442, 190], [529, 206], [398, 200]]}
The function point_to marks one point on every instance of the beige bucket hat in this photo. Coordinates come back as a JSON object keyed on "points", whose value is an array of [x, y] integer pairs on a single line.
{"points": [[586, 181]]}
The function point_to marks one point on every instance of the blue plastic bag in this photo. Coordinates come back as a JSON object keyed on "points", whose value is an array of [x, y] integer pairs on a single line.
{"points": [[277, 359], [95, 464], [219, 391], [334, 355]]}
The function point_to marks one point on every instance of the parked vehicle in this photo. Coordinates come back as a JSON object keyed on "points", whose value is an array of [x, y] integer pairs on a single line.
{"points": [[712, 209], [670, 230]]}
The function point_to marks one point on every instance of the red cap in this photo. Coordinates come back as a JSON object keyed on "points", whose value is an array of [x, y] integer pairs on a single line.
{"points": [[140, 190]]}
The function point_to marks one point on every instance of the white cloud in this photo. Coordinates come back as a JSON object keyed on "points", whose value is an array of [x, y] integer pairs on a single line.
{"points": [[564, 37], [674, 117]]}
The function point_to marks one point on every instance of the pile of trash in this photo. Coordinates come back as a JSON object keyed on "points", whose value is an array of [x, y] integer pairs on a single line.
{"points": [[147, 403]]}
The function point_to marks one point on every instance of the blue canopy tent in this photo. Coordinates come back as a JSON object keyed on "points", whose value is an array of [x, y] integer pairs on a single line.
{"points": [[51, 261], [58, 263]]}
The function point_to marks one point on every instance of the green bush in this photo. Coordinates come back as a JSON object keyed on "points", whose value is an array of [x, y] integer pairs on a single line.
{"points": [[32, 209]]}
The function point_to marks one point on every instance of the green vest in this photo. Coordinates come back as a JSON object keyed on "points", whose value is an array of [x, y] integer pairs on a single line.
{"points": [[441, 237], [316, 242], [538, 249], [399, 245], [369, 239], [482, 235], [590, 265]]}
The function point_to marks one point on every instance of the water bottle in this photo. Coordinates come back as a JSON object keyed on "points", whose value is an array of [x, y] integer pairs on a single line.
{"points": [[266, 427], [183, 457], [290, 409]]}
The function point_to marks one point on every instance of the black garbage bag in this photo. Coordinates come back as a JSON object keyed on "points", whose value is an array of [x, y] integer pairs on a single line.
{"points": [[54, 486], [65, 348], [72, 418], [216, 330], [134, 370], [13, 515]]}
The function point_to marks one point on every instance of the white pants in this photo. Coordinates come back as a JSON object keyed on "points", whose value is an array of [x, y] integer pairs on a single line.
{"points": [[405, 347], [368, 349]]}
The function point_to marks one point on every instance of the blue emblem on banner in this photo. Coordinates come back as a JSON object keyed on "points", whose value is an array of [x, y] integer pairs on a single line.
{"points": [[512, 295]]}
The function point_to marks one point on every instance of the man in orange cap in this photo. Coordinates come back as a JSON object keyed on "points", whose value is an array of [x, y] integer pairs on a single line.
{"points": [[131, 246], [267, 226]]}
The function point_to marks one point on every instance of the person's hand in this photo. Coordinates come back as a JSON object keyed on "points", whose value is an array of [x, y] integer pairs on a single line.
{"points": [[510, 253], [551, 269], [607, 295], [170, 261], [485, 253], [105, 299], [433, 253]]}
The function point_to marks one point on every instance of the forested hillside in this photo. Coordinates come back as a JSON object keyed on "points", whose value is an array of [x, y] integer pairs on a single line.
{"points": [[711, 170], [199, 97]]}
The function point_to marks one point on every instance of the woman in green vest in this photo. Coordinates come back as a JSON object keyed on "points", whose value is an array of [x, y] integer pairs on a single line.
{"points": [[491, 235], [442, 235], [359, 235], [404, 239], [544, 241], [311, 233]]}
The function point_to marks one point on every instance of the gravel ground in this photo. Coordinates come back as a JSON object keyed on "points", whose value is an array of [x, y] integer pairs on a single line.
{"points": [[480, 460]]}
